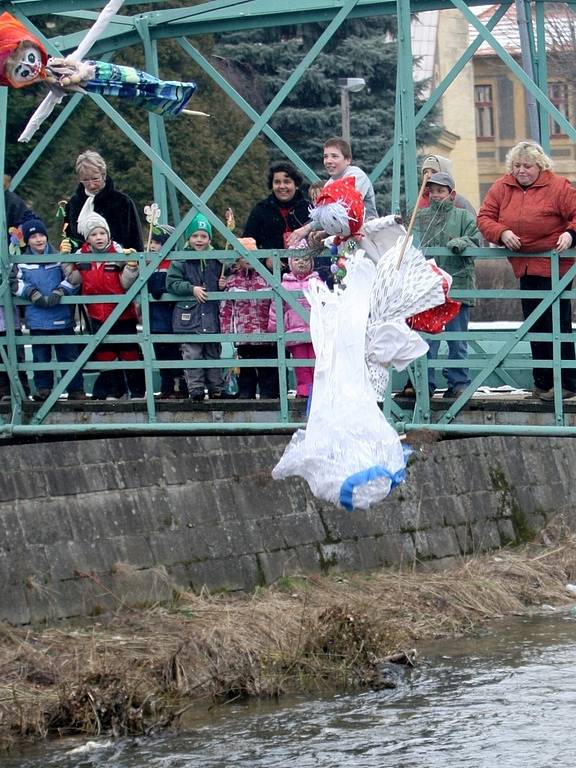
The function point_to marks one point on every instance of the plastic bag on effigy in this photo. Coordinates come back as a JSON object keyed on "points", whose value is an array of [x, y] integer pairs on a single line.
{"points": [[402, 287], [348, 453]]}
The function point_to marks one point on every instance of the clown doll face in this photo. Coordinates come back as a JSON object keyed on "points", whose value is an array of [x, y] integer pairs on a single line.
{"points": [[24, 66]]}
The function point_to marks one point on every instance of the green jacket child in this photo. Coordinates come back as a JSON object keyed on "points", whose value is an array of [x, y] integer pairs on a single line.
{"points": [[444, 225]]}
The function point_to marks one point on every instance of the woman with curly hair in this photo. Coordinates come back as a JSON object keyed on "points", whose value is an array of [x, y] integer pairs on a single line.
{"points": [[530, 210]]}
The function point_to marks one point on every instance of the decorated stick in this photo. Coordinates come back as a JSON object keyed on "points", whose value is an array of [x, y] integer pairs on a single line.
{"points": [[230, 223], [152, 213], [411, 224]]}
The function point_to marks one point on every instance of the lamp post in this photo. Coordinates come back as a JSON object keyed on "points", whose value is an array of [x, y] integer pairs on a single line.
{"points": [[348, 85]]}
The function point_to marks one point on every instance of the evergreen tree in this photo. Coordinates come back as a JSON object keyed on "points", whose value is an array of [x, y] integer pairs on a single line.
{"points": [[361, 48]]}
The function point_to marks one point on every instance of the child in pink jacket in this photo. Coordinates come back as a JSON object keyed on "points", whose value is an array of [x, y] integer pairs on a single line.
{"points": [[301, 271]]}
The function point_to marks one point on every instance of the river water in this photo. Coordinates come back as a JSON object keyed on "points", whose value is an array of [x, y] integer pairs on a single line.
{"points": [[506, 698]]}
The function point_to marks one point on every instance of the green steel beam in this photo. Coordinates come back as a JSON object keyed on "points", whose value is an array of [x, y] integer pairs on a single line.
{"points": [[542, 74], [406, 95], [157, 24], [227, 15], [249, 111]]}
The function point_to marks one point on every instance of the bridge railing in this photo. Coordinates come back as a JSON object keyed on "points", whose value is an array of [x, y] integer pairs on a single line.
{"points": [[499, 356]]}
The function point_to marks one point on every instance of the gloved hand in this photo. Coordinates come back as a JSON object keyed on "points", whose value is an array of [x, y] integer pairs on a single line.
{"points": [[66, 246], [13, 280], [54, 297], [37, 298], [457, 244], [157, 294]]}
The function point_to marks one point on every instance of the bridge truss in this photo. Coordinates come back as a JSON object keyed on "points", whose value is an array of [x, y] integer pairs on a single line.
{"points": [[147, 28]]}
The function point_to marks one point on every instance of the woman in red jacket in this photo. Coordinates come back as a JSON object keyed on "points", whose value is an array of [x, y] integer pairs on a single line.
{"points": [[532, 210]]}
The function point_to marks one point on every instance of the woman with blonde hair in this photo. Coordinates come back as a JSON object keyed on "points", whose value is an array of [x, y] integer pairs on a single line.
{"points": [[530, 210], [96, 194]]}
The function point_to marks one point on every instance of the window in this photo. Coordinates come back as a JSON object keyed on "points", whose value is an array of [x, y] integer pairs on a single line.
{"points": [[558, 95], [484, 109]]}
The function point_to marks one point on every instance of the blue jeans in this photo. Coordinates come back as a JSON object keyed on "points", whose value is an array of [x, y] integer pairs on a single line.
{"points": [[457, 350], [65, 353]]}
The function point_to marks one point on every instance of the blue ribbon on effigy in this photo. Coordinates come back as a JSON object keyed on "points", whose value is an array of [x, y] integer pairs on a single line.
{"points": [[366, 476]]}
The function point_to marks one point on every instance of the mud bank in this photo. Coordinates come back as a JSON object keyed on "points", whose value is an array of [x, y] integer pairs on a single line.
{"points": [[137, 671]]}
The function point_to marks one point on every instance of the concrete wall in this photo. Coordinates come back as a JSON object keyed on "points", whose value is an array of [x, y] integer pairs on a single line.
{"points": [[87, 526]]}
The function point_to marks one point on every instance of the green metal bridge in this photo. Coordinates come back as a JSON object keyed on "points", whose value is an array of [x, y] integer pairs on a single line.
{"points": [[498, 357]]}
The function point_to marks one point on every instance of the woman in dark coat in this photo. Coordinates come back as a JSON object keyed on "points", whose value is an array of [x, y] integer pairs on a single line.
{"points": [[96, 192], [284, 210]]}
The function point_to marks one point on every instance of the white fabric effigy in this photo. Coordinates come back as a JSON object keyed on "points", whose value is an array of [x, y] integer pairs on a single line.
{"points": [[398, 293], [348, 453]]}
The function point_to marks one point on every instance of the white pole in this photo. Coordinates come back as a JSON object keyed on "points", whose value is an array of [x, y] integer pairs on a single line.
{"points": [[345, 109]]}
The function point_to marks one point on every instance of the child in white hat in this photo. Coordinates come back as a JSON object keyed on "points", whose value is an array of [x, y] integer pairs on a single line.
{"points": [[110, 277]]}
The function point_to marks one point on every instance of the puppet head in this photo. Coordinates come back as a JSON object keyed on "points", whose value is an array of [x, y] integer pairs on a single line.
{"points": [[339, 208], [22, 56]]}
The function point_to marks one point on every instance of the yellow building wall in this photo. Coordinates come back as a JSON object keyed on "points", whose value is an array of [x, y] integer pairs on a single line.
{"points": [[457, 105], [491, 153]]}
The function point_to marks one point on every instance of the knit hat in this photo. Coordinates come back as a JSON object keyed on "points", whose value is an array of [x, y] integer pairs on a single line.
{"points": [[161, 233], [32, 227], [431, 162], [89, 222], [443, 179], [198, 223]]}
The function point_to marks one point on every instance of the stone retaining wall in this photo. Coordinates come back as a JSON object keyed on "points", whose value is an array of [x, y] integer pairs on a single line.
{"points": [[87, 526]]}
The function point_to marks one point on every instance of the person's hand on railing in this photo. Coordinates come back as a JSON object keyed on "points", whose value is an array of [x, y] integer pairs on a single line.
{"points": [[510, 240], [53, 297], [45, 302], [127, 252], [564, 242], [200, 294]]}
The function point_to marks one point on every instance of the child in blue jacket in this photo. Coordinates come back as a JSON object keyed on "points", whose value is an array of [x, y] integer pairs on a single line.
{"points": [[45, 285]]}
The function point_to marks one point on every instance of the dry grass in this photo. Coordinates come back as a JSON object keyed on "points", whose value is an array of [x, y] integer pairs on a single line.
{"points": [[134, 671]]}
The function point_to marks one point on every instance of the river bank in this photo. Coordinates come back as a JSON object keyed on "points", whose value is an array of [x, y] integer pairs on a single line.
{"points": [[139, 670]]}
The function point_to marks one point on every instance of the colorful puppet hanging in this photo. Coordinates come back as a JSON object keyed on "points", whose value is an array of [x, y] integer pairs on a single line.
{"points": [[24, 61]]}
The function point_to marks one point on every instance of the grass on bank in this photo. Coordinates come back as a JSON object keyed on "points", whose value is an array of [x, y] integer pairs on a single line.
{"points": [[139, 670]]}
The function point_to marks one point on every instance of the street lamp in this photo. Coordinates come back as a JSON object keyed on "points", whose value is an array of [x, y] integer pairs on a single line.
{"points": [[348, 85]]}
